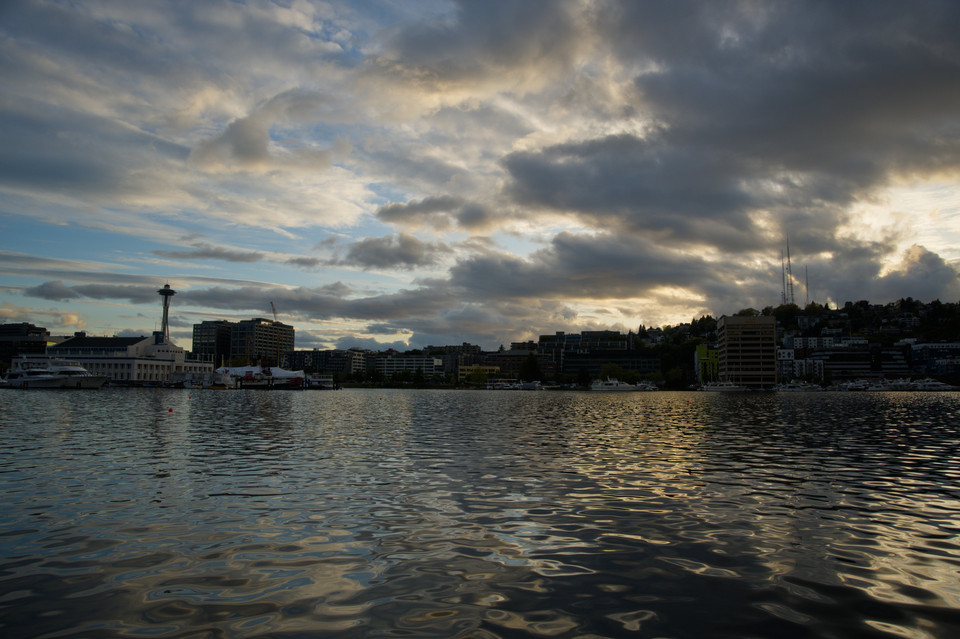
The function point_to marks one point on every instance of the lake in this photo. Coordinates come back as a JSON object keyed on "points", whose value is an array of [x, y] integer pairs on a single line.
{"points": [[439, 513]]}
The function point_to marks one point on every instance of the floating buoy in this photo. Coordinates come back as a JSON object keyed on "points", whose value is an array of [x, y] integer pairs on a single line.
{"points": [[169, 410]]}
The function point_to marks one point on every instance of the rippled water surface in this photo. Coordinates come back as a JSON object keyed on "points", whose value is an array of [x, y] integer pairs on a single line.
{"points": [[365, 513]]}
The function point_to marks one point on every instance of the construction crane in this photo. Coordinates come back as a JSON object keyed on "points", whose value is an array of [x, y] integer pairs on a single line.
{"points": [[275, 321]]}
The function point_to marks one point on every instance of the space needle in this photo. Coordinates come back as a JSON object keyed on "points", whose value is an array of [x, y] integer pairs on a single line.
{"points": [[166, 293]]}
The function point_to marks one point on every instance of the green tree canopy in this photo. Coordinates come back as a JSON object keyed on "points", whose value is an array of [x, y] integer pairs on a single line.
{"points": [[530, 368]]}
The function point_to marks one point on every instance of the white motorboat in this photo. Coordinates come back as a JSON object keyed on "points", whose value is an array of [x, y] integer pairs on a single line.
{"points": [[41, 371], [646, 386], [929, 384], [611, 384], [256, 377]]}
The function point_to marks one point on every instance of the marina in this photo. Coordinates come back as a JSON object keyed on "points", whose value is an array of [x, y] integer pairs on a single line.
{"points": [[385, 512]]}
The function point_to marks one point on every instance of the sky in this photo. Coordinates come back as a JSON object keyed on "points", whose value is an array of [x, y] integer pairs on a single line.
{"points": [[403, 173]]}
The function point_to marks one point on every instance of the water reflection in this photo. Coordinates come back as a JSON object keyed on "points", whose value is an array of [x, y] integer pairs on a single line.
{"points": [[433, 513]]}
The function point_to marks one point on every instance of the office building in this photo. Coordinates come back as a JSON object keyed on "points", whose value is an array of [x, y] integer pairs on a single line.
{"points": [[748, 350], [211, 341], [260, 341]]}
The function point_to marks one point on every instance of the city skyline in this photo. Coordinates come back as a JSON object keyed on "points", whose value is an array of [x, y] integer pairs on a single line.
{"points": [[393, 175]]}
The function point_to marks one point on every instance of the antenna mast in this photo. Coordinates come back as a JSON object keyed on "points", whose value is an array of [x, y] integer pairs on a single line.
{"points": [[783, 281], [806, 285], [277, 330], [789, 291]]}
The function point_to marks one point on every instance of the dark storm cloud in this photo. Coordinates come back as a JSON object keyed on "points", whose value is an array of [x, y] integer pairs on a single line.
{"points": [[488, 38], [640, 185], [920, 274], [575, 266], [787, 109]]}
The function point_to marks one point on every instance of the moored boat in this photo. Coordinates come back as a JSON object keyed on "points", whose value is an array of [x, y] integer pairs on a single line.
{"points": [[611, 384], [797, 387], [274, 378], [320, 382], [41, 371], [723, 387], [929, 384]]}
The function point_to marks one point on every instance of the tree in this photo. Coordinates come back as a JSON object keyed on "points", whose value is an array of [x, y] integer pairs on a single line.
{"points": [[611, 371], [530, 368], [583, 377], [477, 376]]}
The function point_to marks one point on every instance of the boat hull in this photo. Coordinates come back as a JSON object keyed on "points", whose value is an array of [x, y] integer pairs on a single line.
{"points": [[65, 382]]}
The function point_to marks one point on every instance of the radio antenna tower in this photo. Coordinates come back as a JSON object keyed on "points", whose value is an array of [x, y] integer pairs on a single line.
{"points": [[806, 285], [789, 289], [783, 281]]}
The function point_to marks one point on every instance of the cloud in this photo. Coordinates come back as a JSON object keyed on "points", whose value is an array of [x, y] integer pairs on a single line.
{"points": [[521, 44], [403, 251], [430, 211], [923, 274], [203, 251], [247, 144], [370, 343], [56, 291], [573, 162]]}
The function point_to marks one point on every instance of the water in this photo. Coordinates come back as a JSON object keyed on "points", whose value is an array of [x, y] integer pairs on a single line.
{"points": [[369, 513]]}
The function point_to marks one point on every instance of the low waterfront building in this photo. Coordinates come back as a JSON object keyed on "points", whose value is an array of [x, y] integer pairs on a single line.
{"points": [[863, 362], [331, 362], [134, 361], [390, 364], [477, 371], [936, 358], [791, 367]]}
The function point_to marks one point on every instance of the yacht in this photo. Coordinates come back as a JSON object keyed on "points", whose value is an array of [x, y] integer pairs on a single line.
{"points": [[42, 371], [646, 386], [932, 384], [611, 384], [929, 384]]}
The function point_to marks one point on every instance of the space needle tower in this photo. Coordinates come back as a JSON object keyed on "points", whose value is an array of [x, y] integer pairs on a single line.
{"points": [[166, 293]]}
